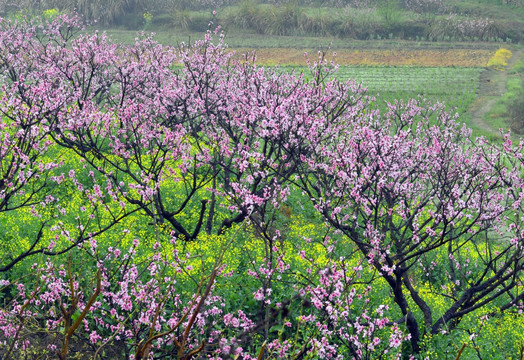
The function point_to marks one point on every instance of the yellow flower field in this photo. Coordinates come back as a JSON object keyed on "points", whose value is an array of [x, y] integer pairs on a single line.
{"points": [[376, 57]]}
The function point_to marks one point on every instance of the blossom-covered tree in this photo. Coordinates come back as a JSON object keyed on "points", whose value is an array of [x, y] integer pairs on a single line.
{"points": [[198, 154], [410, 189]]}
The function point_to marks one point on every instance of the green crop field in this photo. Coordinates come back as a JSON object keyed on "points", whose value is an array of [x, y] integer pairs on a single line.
{"points": [[422, 80], [455, 87]]}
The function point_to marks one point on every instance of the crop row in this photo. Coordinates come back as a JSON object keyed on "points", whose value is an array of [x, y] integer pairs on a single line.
{"points": [[456, 87], [432, 80]]}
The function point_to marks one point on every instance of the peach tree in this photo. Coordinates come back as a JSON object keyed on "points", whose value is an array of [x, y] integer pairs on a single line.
{"points": [[184, 202]]}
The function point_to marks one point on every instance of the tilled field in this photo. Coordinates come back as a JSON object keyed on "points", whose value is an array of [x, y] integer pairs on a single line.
{"points": [[376, 57]]}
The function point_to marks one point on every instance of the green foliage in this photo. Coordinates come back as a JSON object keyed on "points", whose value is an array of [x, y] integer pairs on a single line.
{"points": [[515, 104], [386, 19], [378, 19], [284, 20], [362, 23], [51, 14], [390, 12], [106, 11], [148, 20], [509, 108], [518, 68], [248, 15], [497, 337], [191, 20]]}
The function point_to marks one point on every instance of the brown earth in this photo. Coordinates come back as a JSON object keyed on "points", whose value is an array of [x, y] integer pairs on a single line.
{"points": [[377, 57]]}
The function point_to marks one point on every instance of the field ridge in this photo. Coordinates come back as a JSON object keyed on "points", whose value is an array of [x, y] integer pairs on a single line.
{"points": [[492, 86]]}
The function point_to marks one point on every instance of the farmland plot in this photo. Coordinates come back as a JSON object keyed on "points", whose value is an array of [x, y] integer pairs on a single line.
{"points": [[456, 87]]}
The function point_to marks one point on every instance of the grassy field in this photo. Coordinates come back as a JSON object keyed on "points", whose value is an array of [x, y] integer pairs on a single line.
{"points": [[251, 40]]}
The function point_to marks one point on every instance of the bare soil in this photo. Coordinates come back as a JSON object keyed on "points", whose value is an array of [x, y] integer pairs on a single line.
{"points": [[377, 57]]}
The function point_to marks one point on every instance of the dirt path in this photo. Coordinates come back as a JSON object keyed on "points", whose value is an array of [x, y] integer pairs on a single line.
{"points": [[492, 86]]}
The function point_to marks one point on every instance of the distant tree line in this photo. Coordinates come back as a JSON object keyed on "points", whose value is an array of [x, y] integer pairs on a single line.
{"points": [[361, 19]]}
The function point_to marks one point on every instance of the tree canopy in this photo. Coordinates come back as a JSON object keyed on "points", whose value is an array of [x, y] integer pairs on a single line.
{"points": [[107, 148]]}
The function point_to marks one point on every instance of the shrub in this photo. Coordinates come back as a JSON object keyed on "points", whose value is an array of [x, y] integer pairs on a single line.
{"points": [[320, 25], [464, 28], [284, 19], [515, 106], [191, 20], [248, 15], [500, 59], [426, 6], [361, 23], [391, 14]]}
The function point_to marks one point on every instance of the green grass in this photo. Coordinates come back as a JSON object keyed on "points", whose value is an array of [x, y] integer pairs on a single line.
{"points": [[502, 113], [253, 40]]}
